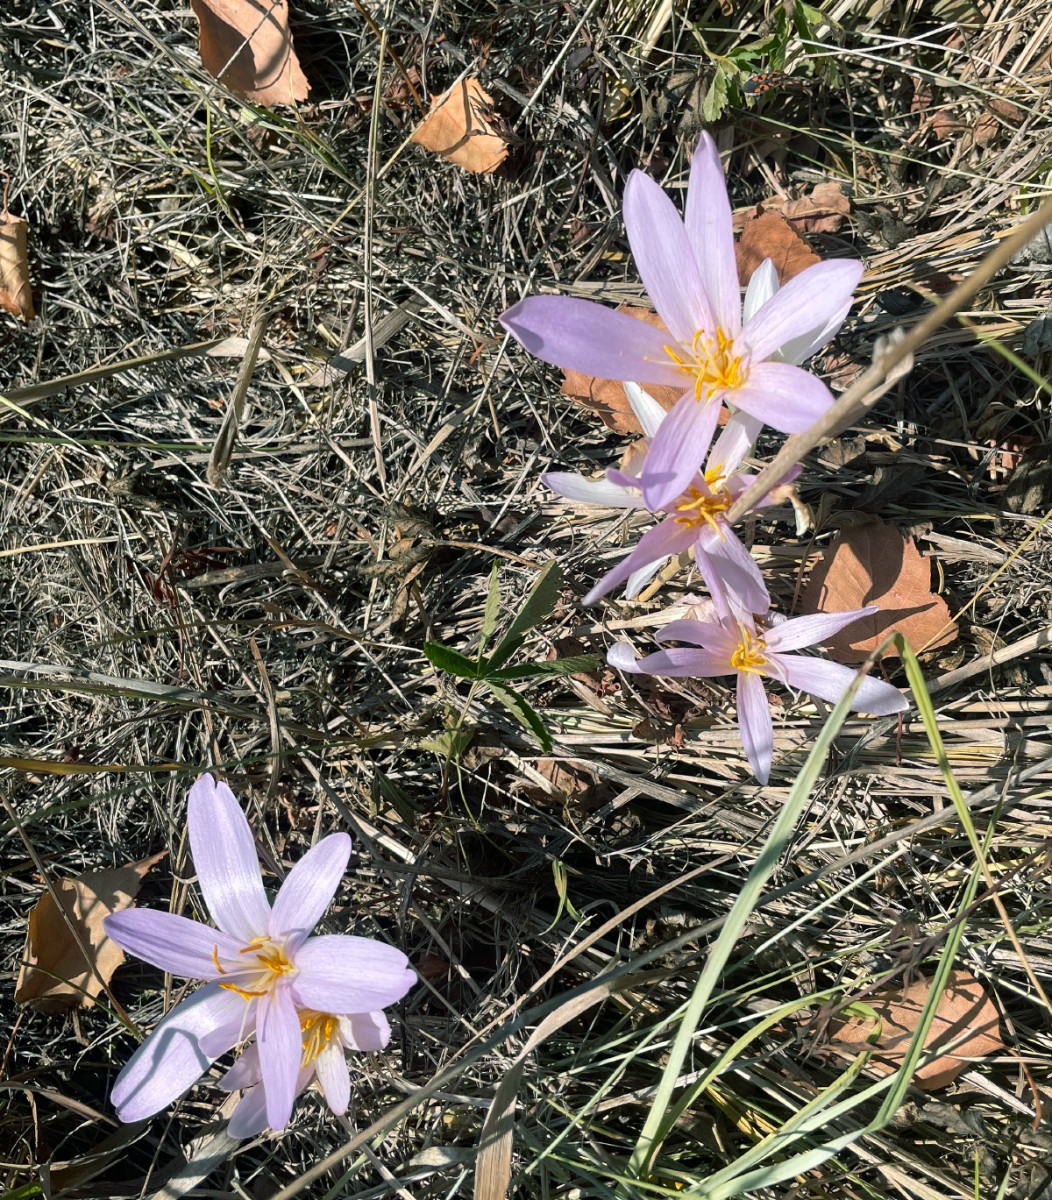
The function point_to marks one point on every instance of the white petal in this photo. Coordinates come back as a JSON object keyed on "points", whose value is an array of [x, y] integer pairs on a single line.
{"points": [[762, 286], [647, 411], [591, 491]]}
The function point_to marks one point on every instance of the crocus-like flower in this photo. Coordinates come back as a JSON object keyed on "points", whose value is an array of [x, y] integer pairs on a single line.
{"points": [[754, 651], [263, 967], [694, 519], [326, 1037], [688, 267]]}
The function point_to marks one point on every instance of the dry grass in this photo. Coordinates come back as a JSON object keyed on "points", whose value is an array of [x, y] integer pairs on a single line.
{"points": [[273, 628]]}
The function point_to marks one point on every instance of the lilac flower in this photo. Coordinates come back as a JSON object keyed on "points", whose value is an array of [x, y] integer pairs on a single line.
{"points": [[695, 518], [262, 965], [325, 1039], [688, 267], [754, 651]]}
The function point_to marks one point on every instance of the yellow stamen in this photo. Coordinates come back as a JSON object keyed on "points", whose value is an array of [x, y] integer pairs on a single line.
{"points": [[750, 654], [697, 508], [318, 1030], [258, 977], [710, 362]]}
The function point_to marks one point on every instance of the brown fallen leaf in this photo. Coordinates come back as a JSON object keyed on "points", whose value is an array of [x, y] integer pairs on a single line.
{"points": [[606, 399], [768, 235], [460, 128], [966, 1017], [247, 46], [15, 293], [872, 563], [824, 211], [569, 782], [54, 975]]}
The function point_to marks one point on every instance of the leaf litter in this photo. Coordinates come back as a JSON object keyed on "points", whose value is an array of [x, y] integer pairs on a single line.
{"points": [[670, 807], [247, 46], [965, 1030], [462, 129], [872, 563], [55, 975]]}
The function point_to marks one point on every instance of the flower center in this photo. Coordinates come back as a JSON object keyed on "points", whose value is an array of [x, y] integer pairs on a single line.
{"points": [[750, 654], [697, 508], [710, 362], [263, 962], [318, 1030]]}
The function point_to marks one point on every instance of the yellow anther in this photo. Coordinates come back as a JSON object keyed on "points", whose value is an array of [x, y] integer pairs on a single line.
{"points": [[697, 508], [244, 993], [318, 1030], [711, 363], [267, 963], [750, 654]]}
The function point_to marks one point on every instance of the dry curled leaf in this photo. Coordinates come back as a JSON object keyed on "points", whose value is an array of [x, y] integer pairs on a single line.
{"points": [[15, 293], [873, 564], [460, 128], [824, 211], [966, 1017], [606, 399], [768, 235], [247, 46], [54, 975]]}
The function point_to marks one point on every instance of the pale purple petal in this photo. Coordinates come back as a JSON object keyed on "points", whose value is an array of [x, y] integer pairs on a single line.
{"points": [[308, 890], [647, 411], [663, 258], [736, 440], [681, 663], [754, 721], [171, 1059], [763, 284], [784, 397], [333, 1077], [216, 1042], [224, 854], [727, 614], [813, 629], [245, 1073], [830, 680], [280, 1050], [579, 335], [170, 942], [591, 491], [678, 450], [624, 480], [365, 1031], [622, 657], [800, 349], [807, 301], [250, 1116], [706, 634], [340, 973], [664, 540], [638, 580], [736, 569], [711, 233]]}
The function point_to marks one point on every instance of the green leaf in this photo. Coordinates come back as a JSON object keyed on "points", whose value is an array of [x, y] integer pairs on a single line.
{"points": [[447, 659], [716, 97], [387, 791], [523, 713], [450, 743], [538, 605], [489, 619], [557, 666]]}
